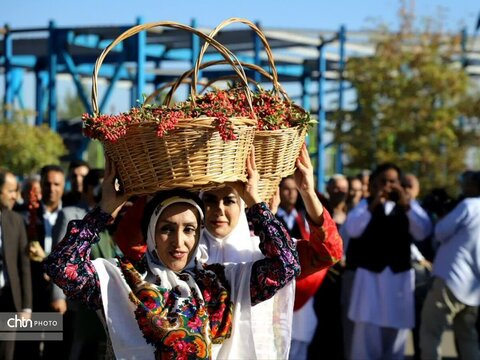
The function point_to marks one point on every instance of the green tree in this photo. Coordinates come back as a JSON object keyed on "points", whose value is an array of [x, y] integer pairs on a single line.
{"points": [[414, 108], [24, 148], [72, 107]]}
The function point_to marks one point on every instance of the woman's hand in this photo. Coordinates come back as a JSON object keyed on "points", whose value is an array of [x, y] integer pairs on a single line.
{"points": [[306, 186], [112, 199], [274, 202], [249, 190], [304, 173]]}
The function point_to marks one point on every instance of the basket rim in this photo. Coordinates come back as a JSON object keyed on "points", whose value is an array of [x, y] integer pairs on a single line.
{"points": [[302, 127], [201, 120]]}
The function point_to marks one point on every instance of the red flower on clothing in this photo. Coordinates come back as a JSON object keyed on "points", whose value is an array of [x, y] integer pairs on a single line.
{"points": [[71, 271], [195, 322]]}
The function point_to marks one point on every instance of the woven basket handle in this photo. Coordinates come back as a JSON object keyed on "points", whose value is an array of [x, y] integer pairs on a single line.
{"points": [[262, 37], [176, 84], [227, 54], [188, 74]]}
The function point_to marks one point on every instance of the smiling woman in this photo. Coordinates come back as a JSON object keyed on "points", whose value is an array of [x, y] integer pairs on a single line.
{"points": [[173, 233], [173, 305]]}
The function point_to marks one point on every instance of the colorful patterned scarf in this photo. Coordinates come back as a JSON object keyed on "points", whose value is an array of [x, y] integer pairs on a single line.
{"points": [[183, 320]]}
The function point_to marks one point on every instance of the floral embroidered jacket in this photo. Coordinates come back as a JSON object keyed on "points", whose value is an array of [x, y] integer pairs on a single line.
{"points": [[70, 267]]}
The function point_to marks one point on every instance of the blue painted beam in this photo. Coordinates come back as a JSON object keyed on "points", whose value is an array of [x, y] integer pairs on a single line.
{"points": [[195, 49], [76, 80], [141, 38], [14, 89], [341, 90], [8, 94], [306, 84], [17, 82], [113, 81], [41, 81], [52, 75], [322, 66]]}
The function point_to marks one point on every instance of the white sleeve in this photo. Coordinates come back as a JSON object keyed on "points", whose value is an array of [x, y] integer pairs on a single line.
{"points": [[346, 239], [357, 219], [420, 225], [448, 225], [416, 255]]}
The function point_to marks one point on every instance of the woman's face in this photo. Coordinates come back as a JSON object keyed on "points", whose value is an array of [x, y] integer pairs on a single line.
{"points": [[222, 211], [176, 234]]}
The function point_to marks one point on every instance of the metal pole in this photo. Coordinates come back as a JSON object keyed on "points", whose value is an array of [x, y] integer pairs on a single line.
{"points": [[322, 67], [306, 83], [256, 54], [341, 90], [195, 50], [52, 76], [8, 95], [141, 60]]}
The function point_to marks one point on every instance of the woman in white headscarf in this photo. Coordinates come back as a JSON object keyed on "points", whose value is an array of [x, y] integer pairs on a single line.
{"points": [[227, 239], [178, 306]]}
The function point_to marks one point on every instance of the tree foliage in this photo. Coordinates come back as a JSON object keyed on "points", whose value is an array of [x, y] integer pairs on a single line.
{"points": [[24, 148], [414, 108], [71, 107]]}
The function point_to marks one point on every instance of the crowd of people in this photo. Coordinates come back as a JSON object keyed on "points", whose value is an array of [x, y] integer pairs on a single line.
{"points": [[344, 274], [409, 264]]}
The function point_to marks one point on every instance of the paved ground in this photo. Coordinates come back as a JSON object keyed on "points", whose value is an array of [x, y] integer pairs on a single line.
{"points": [[448, 347]]}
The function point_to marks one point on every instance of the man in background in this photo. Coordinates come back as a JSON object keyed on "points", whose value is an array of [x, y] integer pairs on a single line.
{"points": [[77, 171], [454, 297], [46, 297], [15, 280]]}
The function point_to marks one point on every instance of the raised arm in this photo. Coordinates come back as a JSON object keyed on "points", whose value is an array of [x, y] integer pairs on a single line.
{"points": [[280, 264], [69, 263], [324, 248]]}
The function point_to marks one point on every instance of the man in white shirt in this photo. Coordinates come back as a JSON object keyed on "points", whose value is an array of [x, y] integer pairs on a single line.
{"points": [[46, 296], [455, 293], [380, 230]]}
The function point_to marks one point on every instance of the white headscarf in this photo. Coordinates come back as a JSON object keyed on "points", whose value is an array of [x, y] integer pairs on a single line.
{"points": [[238, 246], [154, 263]]}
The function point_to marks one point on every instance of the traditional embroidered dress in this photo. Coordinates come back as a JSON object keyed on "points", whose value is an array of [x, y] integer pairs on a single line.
{"points": [[271, 321], [165, 314]]}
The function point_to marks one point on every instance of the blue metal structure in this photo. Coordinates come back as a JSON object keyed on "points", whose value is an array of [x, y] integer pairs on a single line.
{"points": [[306, 59]]}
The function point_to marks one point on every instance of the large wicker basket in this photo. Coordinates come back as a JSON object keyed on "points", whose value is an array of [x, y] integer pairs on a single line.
{"points": [[276, 151], [192, 156]]}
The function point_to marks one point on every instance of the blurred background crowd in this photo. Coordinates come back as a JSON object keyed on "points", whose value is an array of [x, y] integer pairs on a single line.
{"points": [[428, 237]]}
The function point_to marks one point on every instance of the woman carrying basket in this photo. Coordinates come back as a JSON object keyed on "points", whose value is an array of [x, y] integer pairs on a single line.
{"points": [[177, 307], [227, 239]]}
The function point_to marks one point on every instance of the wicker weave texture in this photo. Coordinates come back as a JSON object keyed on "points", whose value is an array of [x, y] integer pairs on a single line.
{"points": [[276, 152], [191, 158]]}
